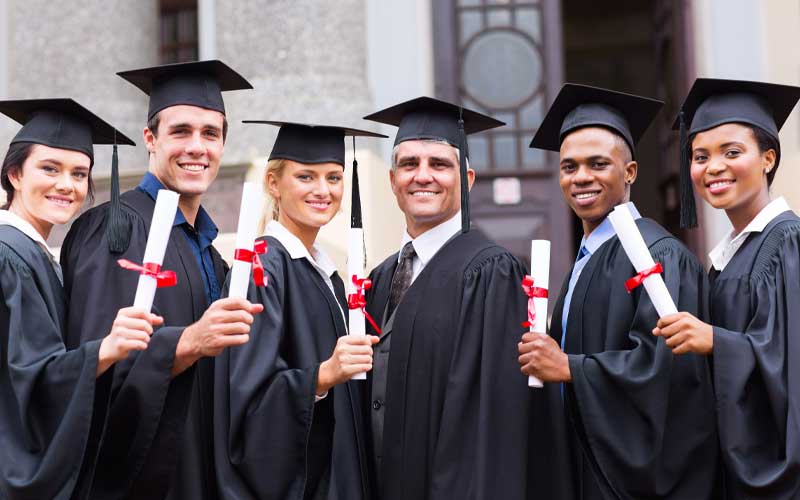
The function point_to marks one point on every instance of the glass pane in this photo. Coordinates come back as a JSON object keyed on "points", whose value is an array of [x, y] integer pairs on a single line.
{"points": [[501, 69], [510, 119], [469, 103], [531, 114], [468, 3], [499, 17], [529, 22], [505, 153], [478, 152], [187, 25], [471, 23], [533, 159], [168, 29]]}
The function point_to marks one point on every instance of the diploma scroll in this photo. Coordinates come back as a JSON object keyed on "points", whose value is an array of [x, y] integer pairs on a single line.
{"points": [[157, 239], [355, 268], [642, 261], [537, 285], [249, 213]]}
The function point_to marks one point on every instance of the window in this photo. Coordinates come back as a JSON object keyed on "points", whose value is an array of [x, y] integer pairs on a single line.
{"points": [[178, 31]]}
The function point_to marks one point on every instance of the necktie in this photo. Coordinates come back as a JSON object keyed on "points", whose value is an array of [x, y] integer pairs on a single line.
{"points": [[402, 277], [568, 300]]}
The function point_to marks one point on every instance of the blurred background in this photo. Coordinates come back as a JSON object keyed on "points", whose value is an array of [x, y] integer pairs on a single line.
{"points": [[332, 62]]}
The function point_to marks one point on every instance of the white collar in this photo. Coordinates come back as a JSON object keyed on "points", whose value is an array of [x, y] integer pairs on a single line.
{"points": [[726, 249], [12, 219], [431, 241], [297, 250]]}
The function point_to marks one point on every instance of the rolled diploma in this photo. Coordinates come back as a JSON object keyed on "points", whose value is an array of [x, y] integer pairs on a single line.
{"points": [[540, 272], [640, 257], [249, 212], [355, 263], [157, 239]]}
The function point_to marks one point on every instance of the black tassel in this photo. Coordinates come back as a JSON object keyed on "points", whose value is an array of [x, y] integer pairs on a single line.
{"points": [[118, 224], [688, 207], [463, 153], [355, 205]]}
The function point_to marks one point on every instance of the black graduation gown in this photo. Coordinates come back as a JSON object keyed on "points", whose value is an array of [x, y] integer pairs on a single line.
{"points": [[158, 435], [272, 441], [755, 310], [457, 407], [642, 416], [52, 407]]}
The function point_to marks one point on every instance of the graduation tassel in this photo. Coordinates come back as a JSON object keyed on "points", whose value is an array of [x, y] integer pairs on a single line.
{"points": [[355, 201], [118, 225], [688, 207], [463, 153]]}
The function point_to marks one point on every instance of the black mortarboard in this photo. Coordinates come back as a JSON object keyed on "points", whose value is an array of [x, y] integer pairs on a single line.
{"points": [[309, 143], [61, 123], [428, 118], [199, 83], [578, 106], [712, 102]]}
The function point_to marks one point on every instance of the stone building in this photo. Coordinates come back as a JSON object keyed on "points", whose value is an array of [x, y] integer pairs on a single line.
{"points": [[333, 62]]}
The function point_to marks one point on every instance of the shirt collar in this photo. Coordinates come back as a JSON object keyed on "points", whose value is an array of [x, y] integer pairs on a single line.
{"points": [[297, 250], [605, 231], [203, 223], [428, 243], [14, 220], [726, 249]]}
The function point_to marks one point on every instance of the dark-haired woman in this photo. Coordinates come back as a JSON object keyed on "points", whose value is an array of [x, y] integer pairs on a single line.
{"points": [[52, 401], [754, 335]]}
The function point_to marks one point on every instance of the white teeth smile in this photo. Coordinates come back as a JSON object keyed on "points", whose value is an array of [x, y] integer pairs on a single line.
{"points": [[719, 184], [60, 202], [318, 204], [423, 193], [192, 167], [584, 196]]}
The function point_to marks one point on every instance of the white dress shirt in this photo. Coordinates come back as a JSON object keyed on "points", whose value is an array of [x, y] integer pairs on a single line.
{"points": [[427, 244], [722, 254]]}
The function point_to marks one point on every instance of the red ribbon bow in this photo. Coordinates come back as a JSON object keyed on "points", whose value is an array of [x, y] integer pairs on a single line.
{"points": [[637, 280], [532, 292], [359, 301], [163, 278], [260, 278]]}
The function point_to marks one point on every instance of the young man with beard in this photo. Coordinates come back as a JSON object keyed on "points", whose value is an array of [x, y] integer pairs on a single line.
{"points": [[158, 436], [638, 421]]}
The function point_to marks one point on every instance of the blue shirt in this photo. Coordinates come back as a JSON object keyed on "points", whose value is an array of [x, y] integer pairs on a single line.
{"points": [[601, 234], [199, 237]]}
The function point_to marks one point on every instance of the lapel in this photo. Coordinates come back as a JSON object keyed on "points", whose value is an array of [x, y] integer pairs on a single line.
{"points": [[574, 343], [379, 301], [558, 311], [333, 308]]}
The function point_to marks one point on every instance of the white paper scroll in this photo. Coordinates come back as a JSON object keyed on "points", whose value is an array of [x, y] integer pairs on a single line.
{"points": [[540, 272], [157, 239], [355, 267], [640, 257], [249, 213]]}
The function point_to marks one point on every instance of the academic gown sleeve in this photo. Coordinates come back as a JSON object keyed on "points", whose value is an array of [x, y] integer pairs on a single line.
{"points": [[482, 447], [641, 412], [48, 395], [146, 401], [757, 373], [268, 430]]}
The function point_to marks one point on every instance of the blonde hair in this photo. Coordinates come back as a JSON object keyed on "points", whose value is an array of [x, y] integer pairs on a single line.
{"points": [[271, 208]]}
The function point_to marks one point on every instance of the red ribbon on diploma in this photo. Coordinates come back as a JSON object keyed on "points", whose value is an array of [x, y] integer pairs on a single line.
{"points": [[163, 278], [637, 280], [260, 278], [359, 301], [532, 292]]}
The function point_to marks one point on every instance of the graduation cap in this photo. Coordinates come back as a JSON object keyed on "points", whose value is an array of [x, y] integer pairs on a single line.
{"points": [[61, 123], [309, 143], [198, 83], [427, 118], [712, 102], [578, 106]]}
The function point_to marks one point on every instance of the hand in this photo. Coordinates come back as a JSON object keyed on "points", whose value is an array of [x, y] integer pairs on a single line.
{"points": [[130, 331], [685, 333], [225, 323], [541, 357], [352, 355]]}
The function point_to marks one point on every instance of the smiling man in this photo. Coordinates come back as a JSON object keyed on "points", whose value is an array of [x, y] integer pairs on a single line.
{"points": [[449, 410], [158, 435], [638, 421]]}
